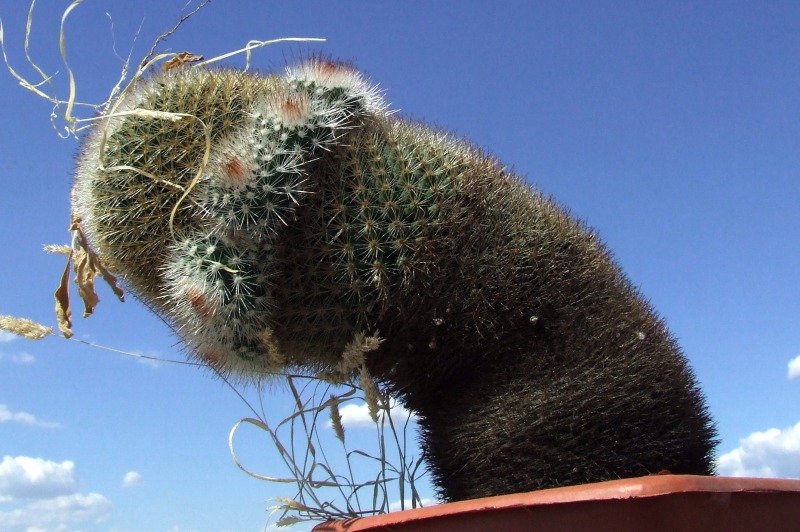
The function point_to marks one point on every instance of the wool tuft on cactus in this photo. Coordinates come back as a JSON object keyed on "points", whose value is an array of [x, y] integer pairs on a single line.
{"points": [[274, 220]]}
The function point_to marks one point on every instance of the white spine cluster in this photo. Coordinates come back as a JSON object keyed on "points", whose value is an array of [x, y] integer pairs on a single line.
{"points": [[328, 76], [218, 291], [218, 278]]}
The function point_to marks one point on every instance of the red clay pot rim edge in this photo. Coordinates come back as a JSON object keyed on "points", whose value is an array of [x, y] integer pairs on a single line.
{"points": [[641, 487]]}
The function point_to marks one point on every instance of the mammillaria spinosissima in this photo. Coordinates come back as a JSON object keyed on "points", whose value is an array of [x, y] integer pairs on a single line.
{"points": [[276, 220]]}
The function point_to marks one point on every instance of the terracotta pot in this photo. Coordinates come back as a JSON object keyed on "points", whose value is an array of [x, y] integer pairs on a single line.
{"points": [[668, 503]]}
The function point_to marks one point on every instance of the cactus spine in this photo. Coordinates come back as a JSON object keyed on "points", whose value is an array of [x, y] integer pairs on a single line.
{"points": [[279, 217]]}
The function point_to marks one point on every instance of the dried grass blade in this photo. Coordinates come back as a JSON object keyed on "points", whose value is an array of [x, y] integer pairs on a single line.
{"points": [[22, 81], [62, 44], [298, 401], [260, 424], [28, 25]]}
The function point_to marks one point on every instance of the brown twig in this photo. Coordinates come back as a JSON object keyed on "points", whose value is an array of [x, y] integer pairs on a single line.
{"points": [[166, 34]]}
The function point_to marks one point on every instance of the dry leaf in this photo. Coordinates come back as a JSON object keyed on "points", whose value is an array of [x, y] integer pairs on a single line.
{"points": [[63, 312], [110, 279], [95, 265], [181, 59], [85, 273], [87, 266]]}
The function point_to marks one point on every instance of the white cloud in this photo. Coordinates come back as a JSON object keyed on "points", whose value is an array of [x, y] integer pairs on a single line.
{"points": [[773, 453], [396, 506], [156, 364], [24, 418], [46, 495], [6, 336], [298, 527], [794, 368], [56, 512], [18, 358], [153, 359], [23, 477], [358, 415], [132, 479]]}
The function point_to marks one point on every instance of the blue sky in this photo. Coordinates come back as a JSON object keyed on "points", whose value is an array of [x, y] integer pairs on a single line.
{"points": [[673, 128]]}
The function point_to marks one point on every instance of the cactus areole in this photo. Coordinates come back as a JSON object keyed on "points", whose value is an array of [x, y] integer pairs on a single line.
{"points": [[272, 220]]}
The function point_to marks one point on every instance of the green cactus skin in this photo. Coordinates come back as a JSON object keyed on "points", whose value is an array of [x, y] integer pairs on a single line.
{"points": [[529, 357]]}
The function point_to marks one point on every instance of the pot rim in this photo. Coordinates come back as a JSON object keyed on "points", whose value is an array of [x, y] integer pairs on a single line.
{"points": [[612, 490]]}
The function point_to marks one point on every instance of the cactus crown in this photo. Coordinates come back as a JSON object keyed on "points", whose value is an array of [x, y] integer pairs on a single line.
{"points": [[243, 207]]}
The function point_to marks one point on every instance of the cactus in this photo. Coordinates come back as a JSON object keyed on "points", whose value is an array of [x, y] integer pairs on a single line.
{"points": [[273, 219]]}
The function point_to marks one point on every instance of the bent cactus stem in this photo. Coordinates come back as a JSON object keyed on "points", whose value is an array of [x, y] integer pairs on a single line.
{"points": [[274, 219]]}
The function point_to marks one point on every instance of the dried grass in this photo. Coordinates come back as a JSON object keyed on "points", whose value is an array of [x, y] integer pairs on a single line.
{"points": [[369, 481], [25, 328], [322, 492]]}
